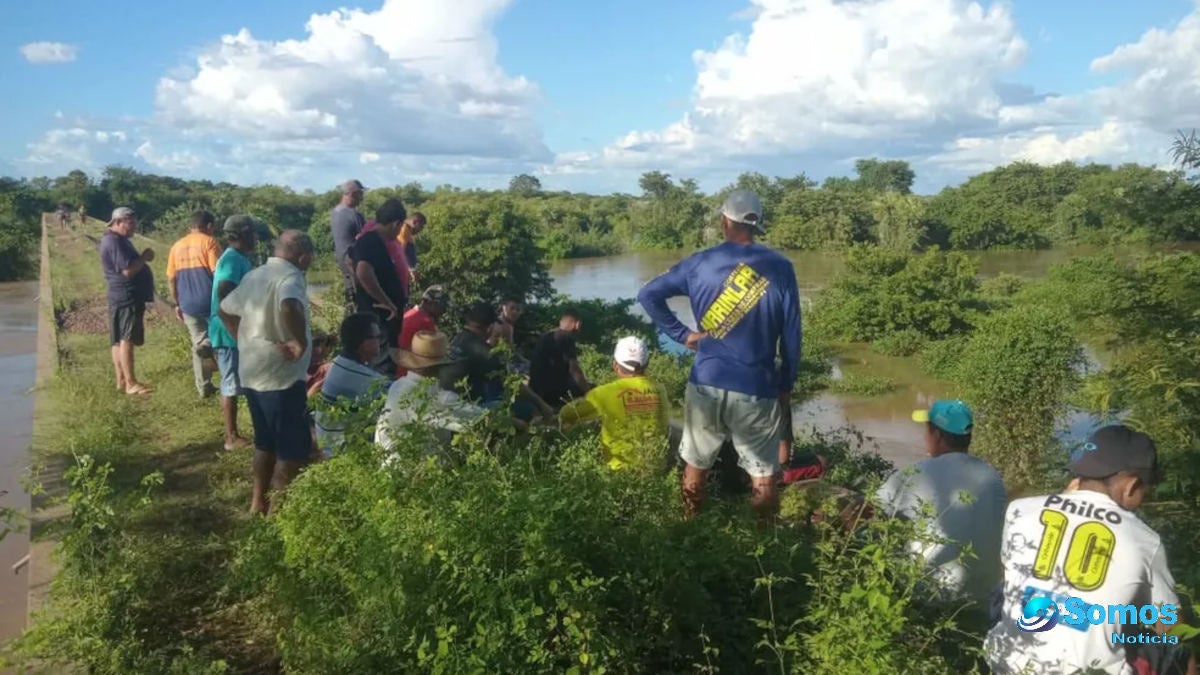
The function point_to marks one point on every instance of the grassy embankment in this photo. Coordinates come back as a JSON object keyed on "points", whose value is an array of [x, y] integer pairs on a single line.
{"points": [[180, 548]]}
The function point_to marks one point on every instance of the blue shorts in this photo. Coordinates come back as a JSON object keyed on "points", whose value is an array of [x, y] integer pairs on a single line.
{"points": [[227, 363], [281, 422]]}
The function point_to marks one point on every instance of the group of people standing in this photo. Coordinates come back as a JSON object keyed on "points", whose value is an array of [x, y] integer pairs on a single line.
{"points": [[1085, 542]]}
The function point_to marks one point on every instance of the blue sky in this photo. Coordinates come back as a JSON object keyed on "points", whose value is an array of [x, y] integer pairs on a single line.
{"points": [[589, 95]]}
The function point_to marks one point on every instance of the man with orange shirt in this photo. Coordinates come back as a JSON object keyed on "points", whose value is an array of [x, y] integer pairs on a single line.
{"points": [[424, 316], [190, 267]]}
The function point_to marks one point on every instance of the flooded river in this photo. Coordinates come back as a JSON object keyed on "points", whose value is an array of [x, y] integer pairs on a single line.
{"points": [[884, 419], [18, 343]]}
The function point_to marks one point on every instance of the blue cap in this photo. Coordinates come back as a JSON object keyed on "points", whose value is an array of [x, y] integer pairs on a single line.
{"points": [[953, 417]]}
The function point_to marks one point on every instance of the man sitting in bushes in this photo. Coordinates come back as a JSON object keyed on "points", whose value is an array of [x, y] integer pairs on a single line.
{"points": [[967, 500], [350, 377], [1083, 548], [632, 409], [418, 397]]}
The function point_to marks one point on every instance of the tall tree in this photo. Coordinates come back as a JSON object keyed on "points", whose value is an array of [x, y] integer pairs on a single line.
{"points": [[893, 175], [525, 185]]}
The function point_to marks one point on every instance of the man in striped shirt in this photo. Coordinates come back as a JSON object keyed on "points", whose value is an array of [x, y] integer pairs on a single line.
{"points": [[351, 382]]}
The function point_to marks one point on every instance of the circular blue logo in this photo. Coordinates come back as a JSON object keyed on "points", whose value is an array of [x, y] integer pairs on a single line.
{"points": [[1039, 614]]}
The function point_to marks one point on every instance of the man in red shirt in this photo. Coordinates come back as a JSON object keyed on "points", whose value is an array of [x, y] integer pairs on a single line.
{"points": [[423, 317]]}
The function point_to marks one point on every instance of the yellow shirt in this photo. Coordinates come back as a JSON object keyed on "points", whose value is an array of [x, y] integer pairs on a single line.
{"points": [[632, 413]]}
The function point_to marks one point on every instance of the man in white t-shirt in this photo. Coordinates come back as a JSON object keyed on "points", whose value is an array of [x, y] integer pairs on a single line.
{"points": [[1065, 554], [965, 498], [268, 312]]}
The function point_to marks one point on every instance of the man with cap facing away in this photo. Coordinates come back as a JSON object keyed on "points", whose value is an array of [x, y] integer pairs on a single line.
{"points": [[966, 497], [241, 236], [345, 222], [632, 410], [130, 287], [745, 298], [191, 263], [1084, 547]]}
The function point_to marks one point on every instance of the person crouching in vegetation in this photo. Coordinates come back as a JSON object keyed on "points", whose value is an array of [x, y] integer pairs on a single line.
{"points": [[417, 396], [424, 317], [965, 498], [632, 410], [554, 372], [1085, 548], [351, 378]]}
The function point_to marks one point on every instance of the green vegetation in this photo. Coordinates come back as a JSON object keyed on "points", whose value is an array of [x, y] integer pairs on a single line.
{"points": [[1016, 206], [892, 294]]}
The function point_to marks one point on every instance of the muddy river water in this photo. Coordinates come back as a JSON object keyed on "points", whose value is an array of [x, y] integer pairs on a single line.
{"points": [[18, 343]]}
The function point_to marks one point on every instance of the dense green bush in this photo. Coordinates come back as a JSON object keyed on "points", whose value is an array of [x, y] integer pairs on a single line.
{"points": [[1016, 371], [481, 250], [882, 292]]}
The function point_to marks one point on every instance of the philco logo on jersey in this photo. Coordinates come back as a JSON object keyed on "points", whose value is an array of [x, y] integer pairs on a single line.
{"points": [[1042, 612]]}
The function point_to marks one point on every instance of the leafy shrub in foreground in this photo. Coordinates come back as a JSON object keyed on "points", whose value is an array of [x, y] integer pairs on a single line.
{"points": [[544, 562]]}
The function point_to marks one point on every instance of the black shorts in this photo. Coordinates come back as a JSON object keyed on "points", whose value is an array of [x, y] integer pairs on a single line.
{"points": [[127, 323], [281, 422]]}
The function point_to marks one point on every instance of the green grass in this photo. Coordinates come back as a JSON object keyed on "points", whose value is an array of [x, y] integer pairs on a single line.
{"points": [[178, 550], [863, 385]]}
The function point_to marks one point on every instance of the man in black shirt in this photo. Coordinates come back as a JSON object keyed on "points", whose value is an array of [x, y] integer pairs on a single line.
{"points": [[379, 290], [473, 360], [554, 373]]}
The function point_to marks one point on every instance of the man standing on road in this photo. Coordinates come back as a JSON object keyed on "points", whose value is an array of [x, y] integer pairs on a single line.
{"points": [[241, 233], [190, 267], [380, 290], [748, 305], [269, 314], [130, 287], [345, 222]]}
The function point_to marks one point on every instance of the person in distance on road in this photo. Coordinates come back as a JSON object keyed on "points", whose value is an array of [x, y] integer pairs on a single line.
{"points": [[748, 304]]}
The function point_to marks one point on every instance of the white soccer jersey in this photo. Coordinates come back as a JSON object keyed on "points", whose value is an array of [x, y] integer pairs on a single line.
{"points": [[1077, 544]]}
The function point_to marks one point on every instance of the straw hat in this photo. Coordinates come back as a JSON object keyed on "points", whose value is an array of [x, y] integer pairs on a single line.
{"points": [[429, 348]]}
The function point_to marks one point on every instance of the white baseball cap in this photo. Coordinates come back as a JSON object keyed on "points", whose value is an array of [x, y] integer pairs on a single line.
{"points": [[632, 352]]}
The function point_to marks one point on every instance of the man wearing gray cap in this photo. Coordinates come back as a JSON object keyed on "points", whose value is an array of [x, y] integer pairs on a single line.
{"points": [[130, 287], [346, 223], [745, 298]]}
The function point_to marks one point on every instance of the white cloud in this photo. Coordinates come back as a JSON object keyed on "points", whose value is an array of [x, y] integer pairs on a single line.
{"points": [[1111, 142], [815, 83], [1163, 87], [49, 52], [368, 157], [814, 74], [410, 78], [77, 147], [175, 161]]}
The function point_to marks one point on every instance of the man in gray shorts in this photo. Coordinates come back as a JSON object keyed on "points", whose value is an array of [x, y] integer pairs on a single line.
{"points": [[748, 307]]}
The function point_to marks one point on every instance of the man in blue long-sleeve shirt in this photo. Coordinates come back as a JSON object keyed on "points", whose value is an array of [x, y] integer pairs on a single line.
{"points": [[748, 308]]}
